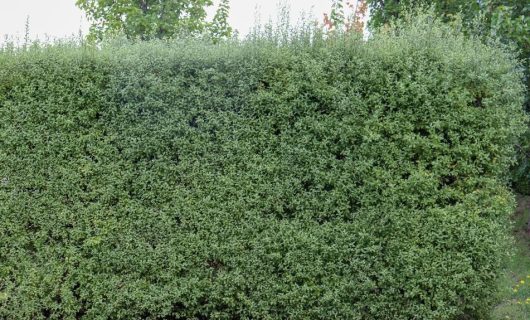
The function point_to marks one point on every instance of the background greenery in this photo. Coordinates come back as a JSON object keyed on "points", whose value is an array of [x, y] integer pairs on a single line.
{"points": [[148, 19], [299, 177]]}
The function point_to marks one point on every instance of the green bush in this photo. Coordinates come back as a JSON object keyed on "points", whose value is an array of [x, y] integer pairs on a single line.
{"points": [[316, 179]]}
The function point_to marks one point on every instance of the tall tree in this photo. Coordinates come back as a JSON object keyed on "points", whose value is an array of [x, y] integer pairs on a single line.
{"points": [[148, 19], [219, 27], [338, 18]]}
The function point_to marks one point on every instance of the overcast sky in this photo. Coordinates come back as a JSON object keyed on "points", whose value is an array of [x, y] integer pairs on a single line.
{"points": [[61, 18]]}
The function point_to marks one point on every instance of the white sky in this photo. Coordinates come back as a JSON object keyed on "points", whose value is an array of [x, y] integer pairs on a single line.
{"points": [[61, 18]]}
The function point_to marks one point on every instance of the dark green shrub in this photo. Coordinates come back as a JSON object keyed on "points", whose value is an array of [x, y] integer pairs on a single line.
{"points": [[338, 179], [521, 171]]}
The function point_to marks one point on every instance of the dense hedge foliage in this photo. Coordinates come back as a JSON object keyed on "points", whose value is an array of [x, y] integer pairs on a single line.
{"points": [[507, 20], [331, 179]]}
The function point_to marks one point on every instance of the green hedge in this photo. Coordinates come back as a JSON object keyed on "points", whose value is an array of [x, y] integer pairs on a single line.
{"points": [[311, 180]]}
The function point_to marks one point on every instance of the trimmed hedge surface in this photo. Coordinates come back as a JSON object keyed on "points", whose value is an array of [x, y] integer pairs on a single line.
{"points": [[338, 179]]}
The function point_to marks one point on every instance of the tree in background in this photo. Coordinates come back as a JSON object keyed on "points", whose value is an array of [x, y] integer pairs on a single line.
{"points": [[147, 19], [219, 27], [382, 11], [339, 19]]}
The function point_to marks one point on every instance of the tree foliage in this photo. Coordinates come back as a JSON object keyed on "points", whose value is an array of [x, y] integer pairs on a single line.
{"points": [[147, 19], [220, 28], [310, 179], [339, 19]]}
